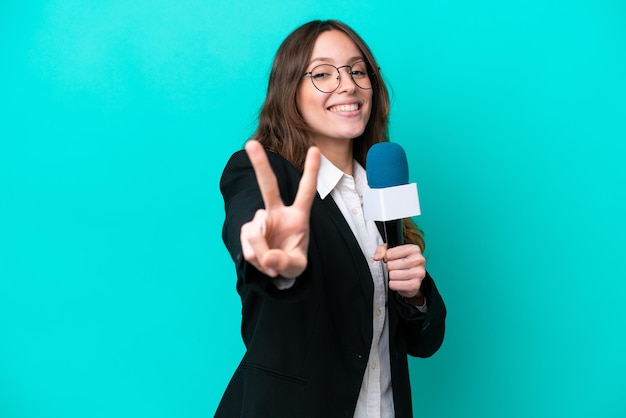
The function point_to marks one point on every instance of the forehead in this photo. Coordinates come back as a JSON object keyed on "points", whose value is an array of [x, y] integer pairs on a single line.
{"points": [[335, 47]]}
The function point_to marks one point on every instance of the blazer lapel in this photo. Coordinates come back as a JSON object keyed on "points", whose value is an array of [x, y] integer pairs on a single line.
{"points": [[356, 253]]}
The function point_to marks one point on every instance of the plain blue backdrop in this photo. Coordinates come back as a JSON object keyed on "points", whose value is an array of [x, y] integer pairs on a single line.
{"points": [[117, 298]]}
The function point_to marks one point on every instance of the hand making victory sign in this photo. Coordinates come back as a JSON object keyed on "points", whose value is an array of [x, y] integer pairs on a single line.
{"points": [[276, 240]]}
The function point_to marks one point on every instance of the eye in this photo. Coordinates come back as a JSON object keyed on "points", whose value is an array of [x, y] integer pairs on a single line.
{"points": [[323, 72], [358, 69], [320, 75]]}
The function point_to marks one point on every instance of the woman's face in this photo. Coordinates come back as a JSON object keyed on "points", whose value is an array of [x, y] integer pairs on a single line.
{"points": [[343, 114]]}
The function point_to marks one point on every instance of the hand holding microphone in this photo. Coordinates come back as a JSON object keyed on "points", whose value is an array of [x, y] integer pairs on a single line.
{"points": [[389, 199], [407, 268]]}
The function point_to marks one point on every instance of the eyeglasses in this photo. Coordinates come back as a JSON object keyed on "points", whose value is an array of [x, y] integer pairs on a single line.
{"points": [[324, 79]]}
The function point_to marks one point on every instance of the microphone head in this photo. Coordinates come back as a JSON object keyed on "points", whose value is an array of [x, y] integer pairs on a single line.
{"points": [[386, 166]]}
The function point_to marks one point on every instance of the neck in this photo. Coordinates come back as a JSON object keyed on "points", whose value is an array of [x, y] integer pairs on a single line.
{"points": [[338, 154]]}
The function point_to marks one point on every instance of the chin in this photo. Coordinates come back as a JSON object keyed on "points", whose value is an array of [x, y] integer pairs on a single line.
{"points": [[351, 133], [355, 134]]}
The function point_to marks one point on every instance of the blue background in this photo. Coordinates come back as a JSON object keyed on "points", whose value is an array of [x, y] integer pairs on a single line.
{"points": [[117, 297]]}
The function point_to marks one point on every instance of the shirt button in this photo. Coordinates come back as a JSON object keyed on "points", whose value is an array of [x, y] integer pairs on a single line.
{"points": [[354, 212], [373, 365], [379, 312]]}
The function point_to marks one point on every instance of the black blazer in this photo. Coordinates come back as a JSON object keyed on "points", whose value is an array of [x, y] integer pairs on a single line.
{"points": [[308, 346]]}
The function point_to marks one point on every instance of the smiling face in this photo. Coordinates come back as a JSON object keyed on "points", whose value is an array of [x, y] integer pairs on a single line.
{"points": [[338, 117]]}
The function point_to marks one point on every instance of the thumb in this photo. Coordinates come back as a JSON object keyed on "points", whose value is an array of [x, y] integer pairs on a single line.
{"points": [[277, 262], [381, 252]]}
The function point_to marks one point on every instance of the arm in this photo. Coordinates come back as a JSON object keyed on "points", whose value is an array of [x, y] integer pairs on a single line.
{"points": [[424, 331]]}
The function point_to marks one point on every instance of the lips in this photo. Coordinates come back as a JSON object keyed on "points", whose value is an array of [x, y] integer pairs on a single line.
{"points": [[345, 107]]}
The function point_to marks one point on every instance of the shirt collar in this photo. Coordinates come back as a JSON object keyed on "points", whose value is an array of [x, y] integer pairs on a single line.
{"points": [[329, 176]]}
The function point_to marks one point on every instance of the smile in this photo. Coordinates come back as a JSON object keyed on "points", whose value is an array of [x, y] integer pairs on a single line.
{"points": [[345, 108]]}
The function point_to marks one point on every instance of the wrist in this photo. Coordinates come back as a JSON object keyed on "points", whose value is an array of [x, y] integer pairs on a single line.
{"points": [[418, 300]]}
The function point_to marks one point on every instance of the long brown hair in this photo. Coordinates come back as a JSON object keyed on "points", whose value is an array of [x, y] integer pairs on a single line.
{"points": [[282, 128]]}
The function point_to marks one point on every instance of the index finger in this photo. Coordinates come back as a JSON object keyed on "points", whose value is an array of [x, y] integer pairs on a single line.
{"points": [[403, 251], [264, 175], [308, 183]]}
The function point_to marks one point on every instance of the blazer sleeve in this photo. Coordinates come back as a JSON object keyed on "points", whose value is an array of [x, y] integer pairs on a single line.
{"points": [[424, 331], [242, 198]]}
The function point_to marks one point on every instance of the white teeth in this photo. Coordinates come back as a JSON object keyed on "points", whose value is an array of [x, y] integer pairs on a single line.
{"points": [[345, 108]]}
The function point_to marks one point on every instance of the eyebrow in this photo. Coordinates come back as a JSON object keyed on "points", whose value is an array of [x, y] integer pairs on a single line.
{"points": [[326, 59]]}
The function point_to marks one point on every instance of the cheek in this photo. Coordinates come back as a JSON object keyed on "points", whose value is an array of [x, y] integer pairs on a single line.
{"points": [[308, 104], [369, 107]]}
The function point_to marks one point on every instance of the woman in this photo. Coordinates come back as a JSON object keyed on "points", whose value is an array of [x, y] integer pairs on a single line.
{"points": [[329, 313]]}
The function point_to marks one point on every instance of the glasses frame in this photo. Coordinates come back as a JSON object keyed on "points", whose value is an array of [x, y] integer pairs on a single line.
{"points": [[350, 73]]}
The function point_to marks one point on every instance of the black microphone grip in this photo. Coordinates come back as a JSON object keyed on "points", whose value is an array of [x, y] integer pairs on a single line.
{"points": [[393, 233]]}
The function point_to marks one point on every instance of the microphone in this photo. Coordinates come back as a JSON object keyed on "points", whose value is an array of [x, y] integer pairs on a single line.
{"points": [[390, 197]]}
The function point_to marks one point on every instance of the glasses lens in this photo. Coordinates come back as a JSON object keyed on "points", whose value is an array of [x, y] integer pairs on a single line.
{"points": [[325, 77], [360, 75]]}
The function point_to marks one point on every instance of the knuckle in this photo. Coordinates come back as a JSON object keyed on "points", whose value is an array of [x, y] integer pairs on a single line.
{"points": [[419, 273]]}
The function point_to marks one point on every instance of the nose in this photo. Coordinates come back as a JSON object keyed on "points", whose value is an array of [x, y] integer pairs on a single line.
{"points": [[345, 80]]}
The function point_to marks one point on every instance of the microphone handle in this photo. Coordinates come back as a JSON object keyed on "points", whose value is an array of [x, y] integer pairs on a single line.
{"points": [[393, 233]]}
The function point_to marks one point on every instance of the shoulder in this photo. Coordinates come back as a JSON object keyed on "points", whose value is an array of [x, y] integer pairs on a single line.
{"points": [[239, 172], [282, 168]]}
